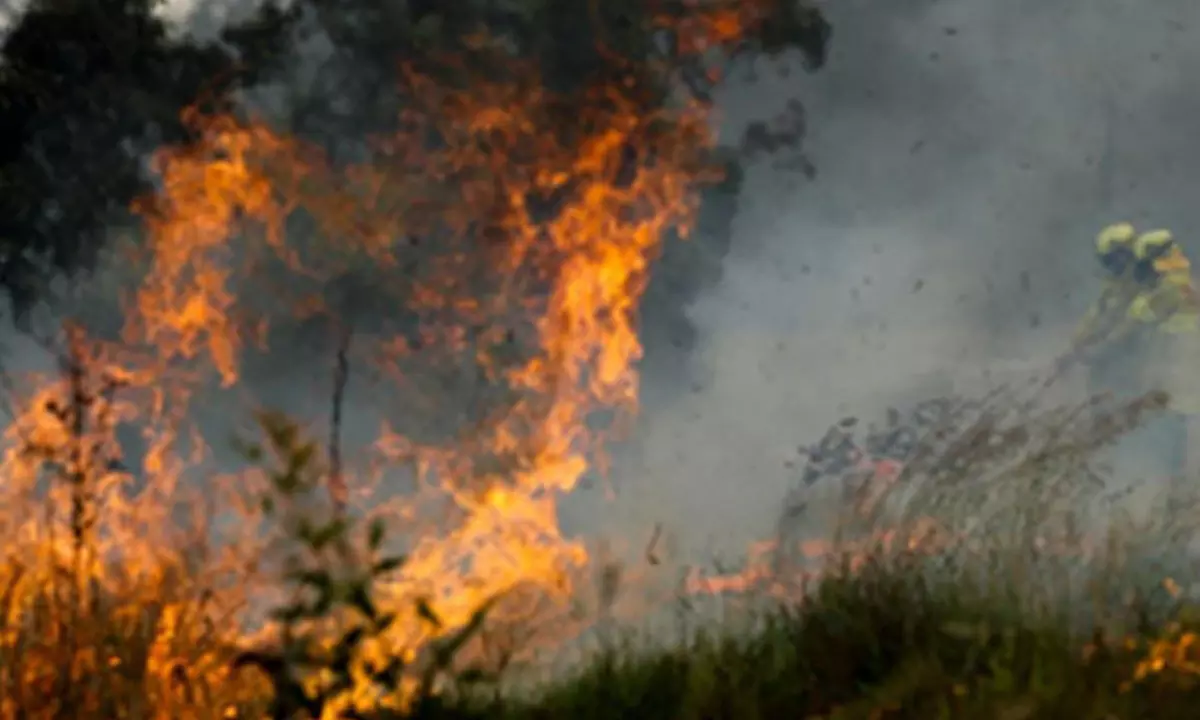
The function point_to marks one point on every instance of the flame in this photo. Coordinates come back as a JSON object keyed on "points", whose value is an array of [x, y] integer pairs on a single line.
{"points": [[590, 260], [785, 572], [719, 26], [519, 243], [566, 283]]}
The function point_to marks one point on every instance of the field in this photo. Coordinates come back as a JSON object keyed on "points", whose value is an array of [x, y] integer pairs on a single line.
{"points": [[439, 344], [1022, 612], [883, 644]]}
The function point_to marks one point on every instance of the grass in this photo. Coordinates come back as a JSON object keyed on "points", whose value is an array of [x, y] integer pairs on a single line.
{"points": [[882, 644], [1009, 608], [182, 588]]}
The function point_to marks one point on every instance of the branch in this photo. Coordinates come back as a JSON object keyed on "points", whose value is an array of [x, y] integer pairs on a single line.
{"points": [[341, 375]]}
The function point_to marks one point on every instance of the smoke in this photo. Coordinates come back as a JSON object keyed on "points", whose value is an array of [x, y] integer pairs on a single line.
{"points": [[967, 151]]}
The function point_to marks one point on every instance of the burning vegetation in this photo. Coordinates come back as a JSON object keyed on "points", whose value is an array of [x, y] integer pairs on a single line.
{"points": [[558, 284], [511, 226], [507, 229]]}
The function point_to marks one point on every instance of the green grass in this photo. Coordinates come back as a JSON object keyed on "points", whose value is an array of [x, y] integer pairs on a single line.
{"points": [[1022, 616], [882, 644], [887, 641]]}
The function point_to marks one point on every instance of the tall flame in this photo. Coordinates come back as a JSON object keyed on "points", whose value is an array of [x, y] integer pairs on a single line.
{"points": [[531, 251], [515, 232]]}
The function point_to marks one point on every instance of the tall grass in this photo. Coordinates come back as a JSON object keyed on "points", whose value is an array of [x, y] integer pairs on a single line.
{"points": [[978, 584]]}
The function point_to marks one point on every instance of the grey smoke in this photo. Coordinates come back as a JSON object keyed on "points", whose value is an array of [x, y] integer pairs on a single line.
{"points": [[967, 151]]}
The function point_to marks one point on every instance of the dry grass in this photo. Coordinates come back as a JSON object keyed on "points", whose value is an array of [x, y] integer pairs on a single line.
{"points": [[987, 593]]}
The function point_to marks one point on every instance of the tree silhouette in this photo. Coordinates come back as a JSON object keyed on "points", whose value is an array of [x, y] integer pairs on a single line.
{"points": [[87, 87]]}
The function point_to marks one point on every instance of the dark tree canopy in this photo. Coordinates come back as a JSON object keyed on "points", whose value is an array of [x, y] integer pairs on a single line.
{"points": [[89, 86], [575, 44]]}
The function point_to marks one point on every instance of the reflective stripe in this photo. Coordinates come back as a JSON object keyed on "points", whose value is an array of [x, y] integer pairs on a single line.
{"points": [[1174, 262]]}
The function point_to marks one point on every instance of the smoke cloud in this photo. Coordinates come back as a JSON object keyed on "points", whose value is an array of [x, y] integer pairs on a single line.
{"points": [[967, 151]]}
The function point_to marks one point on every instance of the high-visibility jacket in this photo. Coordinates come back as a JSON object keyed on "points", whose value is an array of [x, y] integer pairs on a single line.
{"points": [[1146, 319], [1171, 359], [1171, 302], [1116, 249], [1112, 312]]}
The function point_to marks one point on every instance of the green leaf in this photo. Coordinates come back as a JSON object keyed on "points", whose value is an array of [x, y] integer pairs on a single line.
{"points": [[445, 651], [389, 675], [281, 431], [318, 579], [251, 451], [332, 530], [343, 652], [425, 612], [474, 675], [388, 564], [300, 458], [375, 534], [323, 604], [359, 597], [286, 483], [289, 613]]}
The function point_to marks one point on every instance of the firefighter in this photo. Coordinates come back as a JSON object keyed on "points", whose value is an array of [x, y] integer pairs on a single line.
{"points": [[1108, 323], [1168, 305], [1116, 255], [1164, 275]]}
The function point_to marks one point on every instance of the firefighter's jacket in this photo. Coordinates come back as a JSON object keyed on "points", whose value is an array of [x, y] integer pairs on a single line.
{"points": [[1109, 314], [1109, 341], [1171, 310]]}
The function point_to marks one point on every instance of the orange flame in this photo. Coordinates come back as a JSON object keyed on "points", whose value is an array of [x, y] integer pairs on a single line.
{"points": [[564, 283], [520, 245]]}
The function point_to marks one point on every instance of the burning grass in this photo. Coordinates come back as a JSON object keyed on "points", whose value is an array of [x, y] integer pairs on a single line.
{"points": [[513, 248], [884, 643], [920, 607], [427, 568]]}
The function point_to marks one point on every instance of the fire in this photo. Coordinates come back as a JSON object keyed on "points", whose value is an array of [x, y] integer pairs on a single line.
{"points": [[719, 27], [540, 296], [518, 242], [785, 572], [591, 260]]}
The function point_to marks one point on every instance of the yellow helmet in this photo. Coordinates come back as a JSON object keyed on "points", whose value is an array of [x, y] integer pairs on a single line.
{"points": [[1152, 244], [1113, 236]]}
